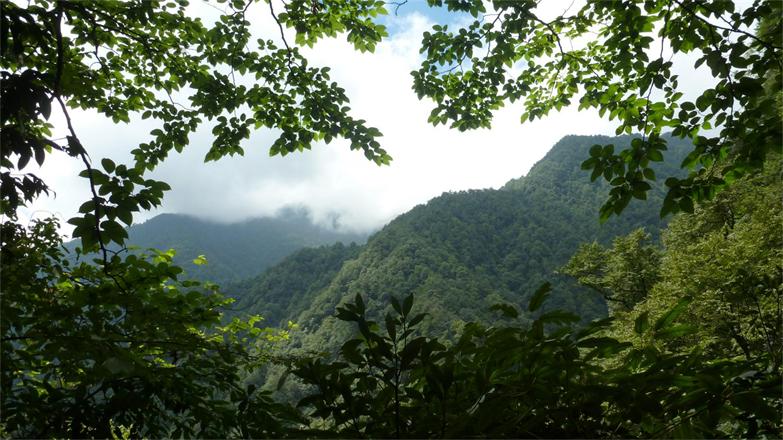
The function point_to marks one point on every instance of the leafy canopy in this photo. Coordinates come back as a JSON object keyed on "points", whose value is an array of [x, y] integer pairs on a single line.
{"points": [[138, 346], [129, 341], [618, 57], [623, 274], [153, 59]]}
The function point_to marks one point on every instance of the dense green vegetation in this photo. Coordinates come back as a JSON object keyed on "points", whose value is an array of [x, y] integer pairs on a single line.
{"points": [[235, 251], [727, 256], [284, 290], [543, 379], [623, 274], [684, 363], [84, 351], [692, 349], [460, 254], [125, 345]]}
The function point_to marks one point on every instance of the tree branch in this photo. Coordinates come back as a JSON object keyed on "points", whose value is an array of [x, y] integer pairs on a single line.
{"points": [[732, 28], [59, 37], [282, 33]]}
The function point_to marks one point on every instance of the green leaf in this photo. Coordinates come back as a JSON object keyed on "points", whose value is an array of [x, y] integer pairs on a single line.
{"points": [[598, 342], [507, 310], [410, 352], [407, 304], [676, 331], [416, 319], [24, 159], [686, 205], [125, 216], [539, 297], [359, 303], [201, 260], [350, 351], [391, 327], [344, 314], [114, 231], [667, 319], [108, 165], [396, 305], [40, 155], [588, 164], [641, 323]]}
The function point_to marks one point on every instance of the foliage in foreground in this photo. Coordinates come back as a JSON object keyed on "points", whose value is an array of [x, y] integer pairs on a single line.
{"points": [[727, 256], [84, 348], [156, 361], [547, 380]]}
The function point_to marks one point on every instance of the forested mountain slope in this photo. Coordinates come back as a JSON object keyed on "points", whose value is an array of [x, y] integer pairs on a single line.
{"points": [[462, 252], [288, 287], [234, 251]]}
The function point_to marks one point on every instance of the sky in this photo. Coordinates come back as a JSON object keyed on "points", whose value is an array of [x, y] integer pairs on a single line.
{"points": [[332, 181]]}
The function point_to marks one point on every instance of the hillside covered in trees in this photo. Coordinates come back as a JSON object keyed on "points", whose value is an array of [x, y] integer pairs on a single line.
{"points": [[284, 290], [460, 253]]}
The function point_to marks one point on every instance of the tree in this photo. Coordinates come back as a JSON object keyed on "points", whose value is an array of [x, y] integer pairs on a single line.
{"points": [[605, 56], [150, 57], [127, 340], [727, 256], [84, 349], [153, 59], [543, 380], [623, 274]]}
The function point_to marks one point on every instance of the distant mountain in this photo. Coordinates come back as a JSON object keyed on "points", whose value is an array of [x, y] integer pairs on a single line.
{"points": [[234, 251], [462, 252]]}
